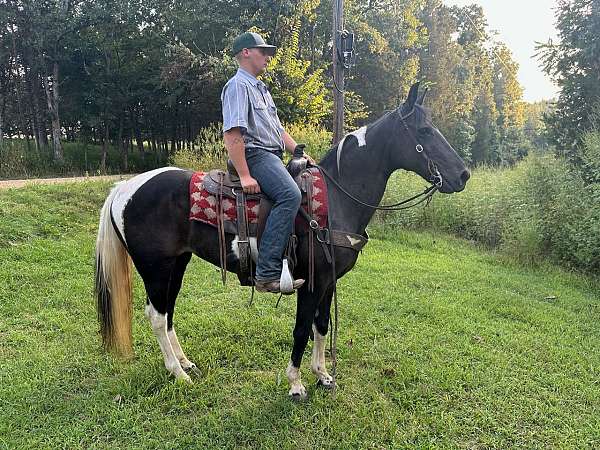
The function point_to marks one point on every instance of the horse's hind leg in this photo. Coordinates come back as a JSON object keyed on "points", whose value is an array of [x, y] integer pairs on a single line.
{"points": [[320, 326], [157, 278], [174, 287]]}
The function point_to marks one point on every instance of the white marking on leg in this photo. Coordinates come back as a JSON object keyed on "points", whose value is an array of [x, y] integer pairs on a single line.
{"points": [[185, 363], [253, 248], [296, 387], [159, 327], [125, 191], [317, 363]]}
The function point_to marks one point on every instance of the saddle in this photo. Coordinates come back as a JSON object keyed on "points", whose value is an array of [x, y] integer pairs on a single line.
{"points": [[227, 190], [217, 199]]}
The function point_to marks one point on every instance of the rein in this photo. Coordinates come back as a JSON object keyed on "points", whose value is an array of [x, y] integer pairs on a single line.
{"points": [[427, 194]]}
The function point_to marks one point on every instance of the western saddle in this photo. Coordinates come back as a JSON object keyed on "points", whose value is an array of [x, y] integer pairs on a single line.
{"points": [[226, 185]]}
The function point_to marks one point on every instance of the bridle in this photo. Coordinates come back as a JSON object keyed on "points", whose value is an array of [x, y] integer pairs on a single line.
{"points": [[436, 178]]}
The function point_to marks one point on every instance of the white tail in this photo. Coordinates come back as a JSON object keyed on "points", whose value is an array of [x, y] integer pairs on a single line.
{"points": [[113, 284]]}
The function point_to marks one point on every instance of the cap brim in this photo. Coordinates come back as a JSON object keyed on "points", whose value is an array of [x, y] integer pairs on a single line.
{"points": [[270, 49]]}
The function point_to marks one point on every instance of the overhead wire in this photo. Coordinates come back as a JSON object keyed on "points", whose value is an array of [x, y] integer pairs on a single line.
{"points": [[485, 38]]}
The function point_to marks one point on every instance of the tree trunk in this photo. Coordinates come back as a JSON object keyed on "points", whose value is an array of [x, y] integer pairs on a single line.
{"points": [[32, 104], [19, 89], [137, 133], [1, 121], [32, 77], [122, 147], [52, 96], [104, 146]]}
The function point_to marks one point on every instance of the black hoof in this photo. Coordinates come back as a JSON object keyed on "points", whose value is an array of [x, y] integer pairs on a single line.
{"points": [[325, 386]]}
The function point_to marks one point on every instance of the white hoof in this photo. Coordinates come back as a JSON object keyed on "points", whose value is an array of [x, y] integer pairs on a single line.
{"points": [[326, 382], [298, 393], [190, 367]]}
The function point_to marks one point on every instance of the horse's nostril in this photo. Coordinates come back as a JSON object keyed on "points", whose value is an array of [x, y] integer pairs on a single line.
{"points": [[465, 176]]}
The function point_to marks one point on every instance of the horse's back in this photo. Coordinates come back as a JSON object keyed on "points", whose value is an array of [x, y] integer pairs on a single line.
{"points": [[152, 209]]}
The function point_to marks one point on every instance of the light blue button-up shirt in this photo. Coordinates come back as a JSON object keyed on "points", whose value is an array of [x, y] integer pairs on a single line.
{"points": [[247, 104]]}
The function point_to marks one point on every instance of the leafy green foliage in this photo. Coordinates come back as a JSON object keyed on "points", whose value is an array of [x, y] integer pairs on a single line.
{"points": [[475, 96], [591, 156], [16, 161], [317, 139], [148, 74], [541, 207], [299, 94], [208, 151], [574, 63]]}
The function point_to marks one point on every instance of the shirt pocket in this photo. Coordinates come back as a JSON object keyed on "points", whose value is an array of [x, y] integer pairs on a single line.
{"points": [[258, 102]]}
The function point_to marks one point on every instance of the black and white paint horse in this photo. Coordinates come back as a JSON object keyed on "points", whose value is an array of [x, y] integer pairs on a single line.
{"points": [[145, 221]]}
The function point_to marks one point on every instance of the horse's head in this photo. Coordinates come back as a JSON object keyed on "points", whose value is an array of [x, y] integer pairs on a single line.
{"points": [[423, 149]]}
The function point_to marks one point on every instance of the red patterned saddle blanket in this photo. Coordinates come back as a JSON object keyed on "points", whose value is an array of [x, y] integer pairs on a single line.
{"points": [[203, 204]]}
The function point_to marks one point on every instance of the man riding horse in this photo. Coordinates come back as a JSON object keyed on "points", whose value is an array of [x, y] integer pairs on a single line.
{"points": [[255, 140]]}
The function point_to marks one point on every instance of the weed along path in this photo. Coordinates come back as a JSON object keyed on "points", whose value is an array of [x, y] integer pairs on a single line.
{"points": [[442, 344], [8, 184]]}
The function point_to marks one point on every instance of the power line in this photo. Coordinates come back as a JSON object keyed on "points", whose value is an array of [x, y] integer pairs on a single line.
{"points": [[484, 38]]}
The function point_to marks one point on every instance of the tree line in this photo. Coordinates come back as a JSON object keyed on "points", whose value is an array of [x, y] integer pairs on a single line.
{"points": [[146, 75]]}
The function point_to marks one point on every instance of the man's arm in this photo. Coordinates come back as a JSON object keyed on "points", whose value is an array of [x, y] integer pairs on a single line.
{"points": [[290, 145], [234, 143]]}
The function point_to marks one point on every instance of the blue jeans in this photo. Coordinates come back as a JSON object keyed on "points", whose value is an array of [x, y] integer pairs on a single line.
{"points": [[277, 184]]}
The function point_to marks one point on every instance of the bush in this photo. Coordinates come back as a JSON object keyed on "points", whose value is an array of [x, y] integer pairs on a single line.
{"points": [[317, 139], [17, 161], [591, 155], [209, 151], [541, 207]]}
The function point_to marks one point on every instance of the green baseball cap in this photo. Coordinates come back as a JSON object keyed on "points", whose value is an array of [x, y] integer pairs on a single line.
{"points": [[251, 40]]}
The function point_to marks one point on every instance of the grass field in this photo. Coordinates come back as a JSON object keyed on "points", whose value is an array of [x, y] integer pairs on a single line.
{"points": [[442, 344]]}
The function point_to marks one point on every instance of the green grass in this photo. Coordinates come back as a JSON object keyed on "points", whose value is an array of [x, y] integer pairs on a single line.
{"points": [[442, 344]]}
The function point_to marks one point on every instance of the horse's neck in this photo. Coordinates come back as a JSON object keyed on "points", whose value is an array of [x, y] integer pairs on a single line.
{"points": [[363, 173]]}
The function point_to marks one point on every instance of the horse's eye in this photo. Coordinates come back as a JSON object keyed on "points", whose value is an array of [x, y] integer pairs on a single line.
{"points": [[425, 131]]}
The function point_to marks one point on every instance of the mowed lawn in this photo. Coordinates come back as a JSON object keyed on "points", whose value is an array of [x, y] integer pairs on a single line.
{"points": [[441, 344]]}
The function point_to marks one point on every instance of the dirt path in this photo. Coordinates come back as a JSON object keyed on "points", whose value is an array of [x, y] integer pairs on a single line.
{"points": [[7, 184]]}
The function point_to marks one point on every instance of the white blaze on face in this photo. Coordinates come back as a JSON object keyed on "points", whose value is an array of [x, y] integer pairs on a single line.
{"points": [[125, 191]]}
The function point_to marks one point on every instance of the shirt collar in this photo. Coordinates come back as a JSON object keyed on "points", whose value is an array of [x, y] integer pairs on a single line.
{"points": [[248, 76]]}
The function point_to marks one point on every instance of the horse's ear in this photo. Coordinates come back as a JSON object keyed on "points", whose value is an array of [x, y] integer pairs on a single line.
{"points": [[422, 96], [409, 104]]}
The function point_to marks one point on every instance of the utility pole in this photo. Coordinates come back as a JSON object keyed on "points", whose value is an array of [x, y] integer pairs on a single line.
{"points": [[338, 71]]}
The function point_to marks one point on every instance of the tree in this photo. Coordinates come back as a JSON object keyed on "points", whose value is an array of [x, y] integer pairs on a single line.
{"points": [[456, 65], [300, 94], [574, 64], [508, 95]]}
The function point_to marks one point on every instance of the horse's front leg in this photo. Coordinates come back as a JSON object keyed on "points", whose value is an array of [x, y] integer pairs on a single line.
{"points": [[320, 326], [305, 310]]}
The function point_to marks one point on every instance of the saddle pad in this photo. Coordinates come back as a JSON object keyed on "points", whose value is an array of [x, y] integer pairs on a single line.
{"points": [[203, 205]]}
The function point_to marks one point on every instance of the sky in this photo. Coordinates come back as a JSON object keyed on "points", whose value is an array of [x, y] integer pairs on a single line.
{"points": [[520, 24]]}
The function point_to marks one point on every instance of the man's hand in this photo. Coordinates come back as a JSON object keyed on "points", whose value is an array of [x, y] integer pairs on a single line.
{"points": [[309, 159], [250, 185]]}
